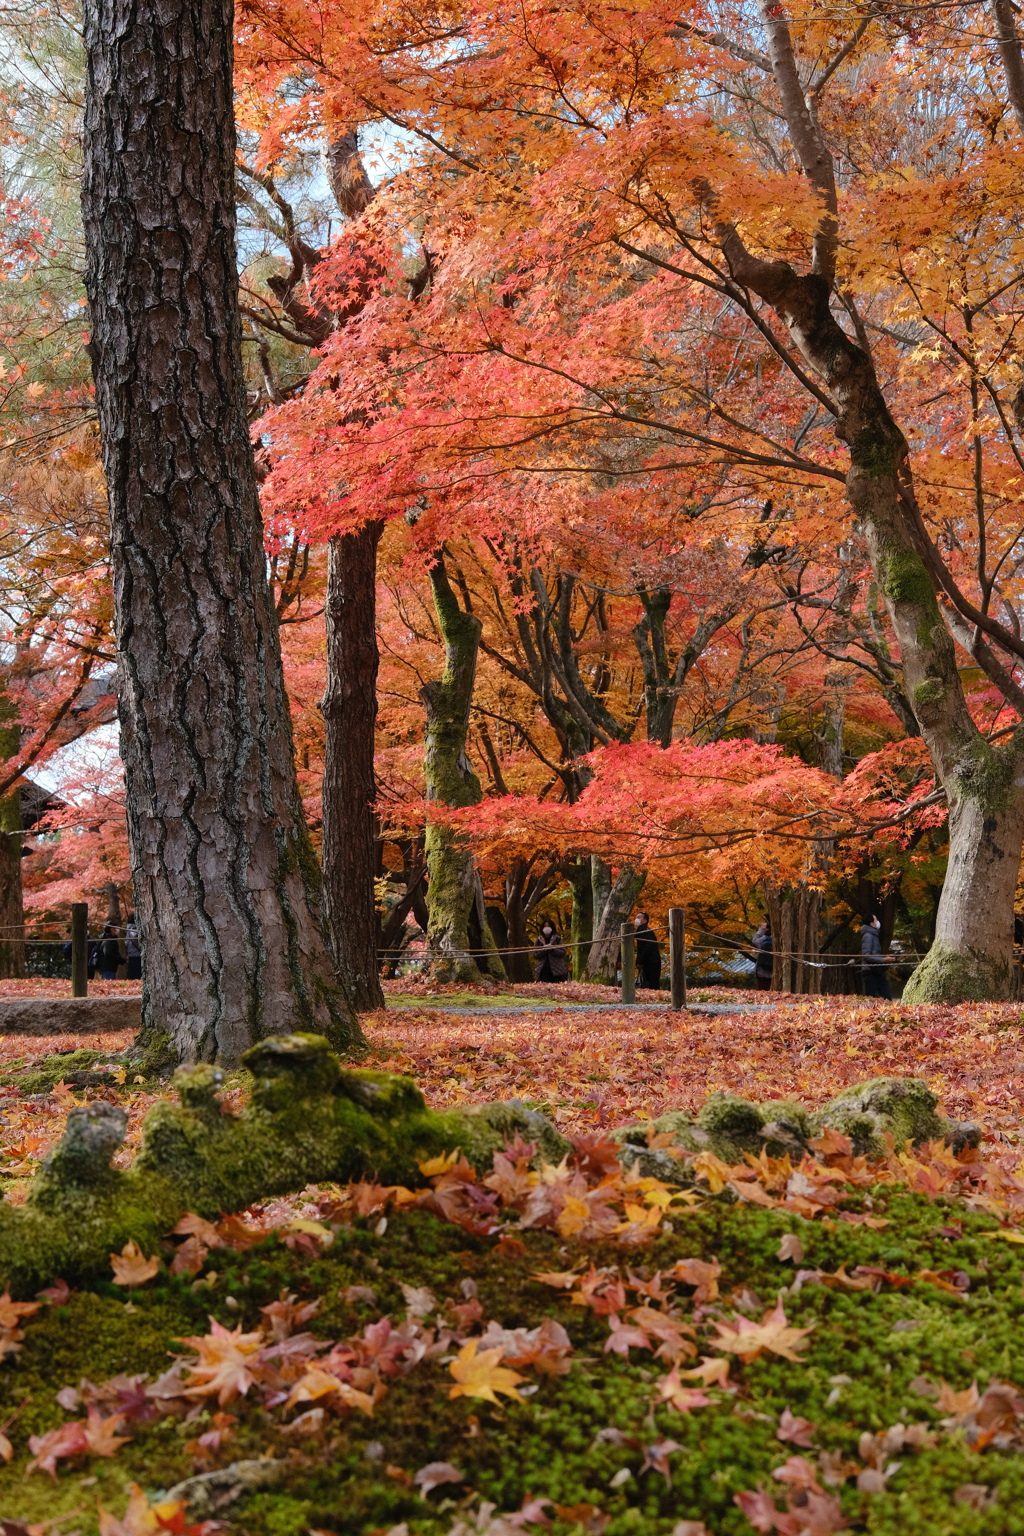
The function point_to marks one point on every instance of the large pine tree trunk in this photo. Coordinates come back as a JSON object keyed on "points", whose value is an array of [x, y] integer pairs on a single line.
{"points": [[227, 886], [349, 707]]}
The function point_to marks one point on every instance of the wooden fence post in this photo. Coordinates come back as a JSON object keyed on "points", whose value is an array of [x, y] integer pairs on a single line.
{"points": [[79, 949], [677, 956], [627, 950]]}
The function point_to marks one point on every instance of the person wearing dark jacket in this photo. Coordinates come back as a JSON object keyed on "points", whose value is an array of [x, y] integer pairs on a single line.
{"points": [[549, 955], [765, 963], [648, 953], [873, 962], [111, 953]]}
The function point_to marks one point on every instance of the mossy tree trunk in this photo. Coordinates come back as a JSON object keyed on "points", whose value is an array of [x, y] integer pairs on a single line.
{"points": [[580, 878], [622, 897], [451, 868], [349, 708], [227, 887], [971, 955]]}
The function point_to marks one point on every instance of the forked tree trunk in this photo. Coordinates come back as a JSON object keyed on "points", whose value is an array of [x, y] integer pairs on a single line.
{"points": [[349, 708], [451, 868], [622, 898], [227, 885]]}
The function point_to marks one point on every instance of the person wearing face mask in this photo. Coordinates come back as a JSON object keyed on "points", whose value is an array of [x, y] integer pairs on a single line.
{"points": [[648, 953], [873, 962], [549, 956]]}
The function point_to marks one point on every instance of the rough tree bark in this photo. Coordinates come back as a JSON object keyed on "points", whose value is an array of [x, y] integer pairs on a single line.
{"points": [[349, 708], [451, 869], [794, 911], [971, 956], [226, 883]]}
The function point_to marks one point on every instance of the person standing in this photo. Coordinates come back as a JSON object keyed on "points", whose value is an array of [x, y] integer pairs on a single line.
{"points": [[110, 953], [133, 949], [765, 964], [648, 953], [549, 955], [873, 962]]}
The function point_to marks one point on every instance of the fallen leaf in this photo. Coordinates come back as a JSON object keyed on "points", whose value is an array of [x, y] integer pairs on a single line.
{"points": [[48, 1449], [131, 1267], [773, 1333], [790, 1248], [795, 1430], [101, 1435], [482, 1375], [12, 1311], [222, 1368], [682, 1399], [434, 1474]]}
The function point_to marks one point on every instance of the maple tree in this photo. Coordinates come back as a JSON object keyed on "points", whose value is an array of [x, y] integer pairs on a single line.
{"points": [[634, 278]]}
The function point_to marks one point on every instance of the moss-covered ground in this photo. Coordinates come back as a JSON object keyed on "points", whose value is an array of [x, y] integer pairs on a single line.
{"points": [[867, 1364], [875, 1358]]}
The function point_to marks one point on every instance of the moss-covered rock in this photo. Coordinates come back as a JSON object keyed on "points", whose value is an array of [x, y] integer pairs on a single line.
{"points": [[902, 1108], [483, 1129], [308, 1120]]}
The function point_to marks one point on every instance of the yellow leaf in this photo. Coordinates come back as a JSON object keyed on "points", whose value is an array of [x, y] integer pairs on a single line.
{"points": [[482, 1375], [573, 1217], [1006, 1235], [711, 1168], [318, 1383], [443, 1163], [131, 1267]]}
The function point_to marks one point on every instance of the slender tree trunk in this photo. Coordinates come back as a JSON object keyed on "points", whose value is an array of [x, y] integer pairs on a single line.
{"points": [[621, 900], [12, 912], [113, 899], [519, 965], [349, 708], [227, 886], [451, 868], [581, 880], [970, 959]]}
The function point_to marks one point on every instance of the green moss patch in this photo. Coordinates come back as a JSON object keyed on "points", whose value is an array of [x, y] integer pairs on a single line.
{"points": [[873, 1360]]}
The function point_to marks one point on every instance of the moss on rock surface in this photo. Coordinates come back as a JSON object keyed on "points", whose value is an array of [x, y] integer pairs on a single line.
{"points": [[903, 1108]]}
